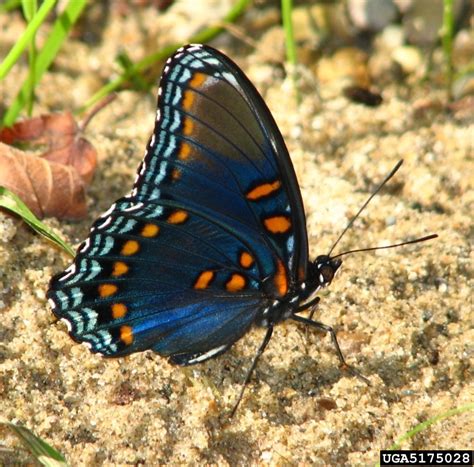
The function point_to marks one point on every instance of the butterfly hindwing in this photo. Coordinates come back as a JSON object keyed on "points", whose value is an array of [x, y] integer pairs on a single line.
{"points": [[211, 233]]}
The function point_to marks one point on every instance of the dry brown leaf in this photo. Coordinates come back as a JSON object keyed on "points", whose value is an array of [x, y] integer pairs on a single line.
{"points": [[62, 137], [47, 188]]}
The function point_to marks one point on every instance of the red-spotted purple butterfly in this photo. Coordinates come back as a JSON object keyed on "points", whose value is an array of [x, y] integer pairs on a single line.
{"points": [[212, 238]]}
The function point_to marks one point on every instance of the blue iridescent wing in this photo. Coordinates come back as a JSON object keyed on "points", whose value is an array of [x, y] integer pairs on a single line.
{"points": [[212, 232]]}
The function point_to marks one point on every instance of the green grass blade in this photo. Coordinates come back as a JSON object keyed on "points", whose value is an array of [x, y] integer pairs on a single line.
{"points": [[59, 32], [30, 8], [127, 64], [41, 450], [13, 203], [9, 5], [424, 425], [447, 33], [286, 10], [427, 423], [25, 38], [203, 36]]}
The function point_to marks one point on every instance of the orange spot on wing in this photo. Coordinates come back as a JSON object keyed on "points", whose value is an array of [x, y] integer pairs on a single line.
{"points": [[188, 99], [119, 310], [119, 269], [263, 190], [204, 279], [126, 334], [184, 151], [178, 217], [188, 126], [150, 230], [281, 279], [106, 290], [277, 224], [130, 247], [197, 80], [246, 259], [235, 283]]}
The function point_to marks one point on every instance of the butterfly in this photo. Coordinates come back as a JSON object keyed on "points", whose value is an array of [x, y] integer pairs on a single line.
{"points": [[211, 239]]}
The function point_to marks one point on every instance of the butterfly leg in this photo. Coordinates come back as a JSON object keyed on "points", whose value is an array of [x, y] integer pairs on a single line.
{"points": [[330, 330], [260, 351], [312, 305]]}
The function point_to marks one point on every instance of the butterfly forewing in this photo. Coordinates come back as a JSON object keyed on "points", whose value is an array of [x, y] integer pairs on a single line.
{"points": [[178, 265]]}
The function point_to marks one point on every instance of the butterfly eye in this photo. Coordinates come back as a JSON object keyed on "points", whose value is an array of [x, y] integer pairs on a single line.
{"points": [[327, 273]]}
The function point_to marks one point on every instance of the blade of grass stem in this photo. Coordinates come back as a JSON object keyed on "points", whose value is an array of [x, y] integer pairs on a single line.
{"points": [[424, 425], [127, 65], [146, 62], [286, 10], [9, 5], [14, 54], [39, 449], [447, 32], [13, 203], [427, 423], [30, 8], [58, 34]]}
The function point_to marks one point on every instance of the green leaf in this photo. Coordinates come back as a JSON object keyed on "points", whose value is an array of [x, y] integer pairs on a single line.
{"points": [[42, 451], [13, 203]]}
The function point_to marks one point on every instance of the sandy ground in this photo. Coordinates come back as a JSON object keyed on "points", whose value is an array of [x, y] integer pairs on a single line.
{"points": [[404, 316]]}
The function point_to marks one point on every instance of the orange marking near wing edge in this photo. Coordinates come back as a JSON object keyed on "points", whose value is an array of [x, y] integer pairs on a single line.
{"points": [[188, 99], [197, 80], [235, 283], [178, 217], [126, 334], [106, 290], [130, 247], [277, 224], [184, 151], [119, 310], [263, 190], [204, 279], [246, 259], [119, 269], [281, 280], [150, 230], [188, 126]]}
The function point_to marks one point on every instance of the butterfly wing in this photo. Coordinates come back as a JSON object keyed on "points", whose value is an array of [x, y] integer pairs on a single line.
{"points": [[212, 232], [218, 129]]}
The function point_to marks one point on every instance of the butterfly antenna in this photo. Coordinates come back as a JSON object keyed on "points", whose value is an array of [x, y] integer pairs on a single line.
{"points": [[351, 222], [409, 242]]}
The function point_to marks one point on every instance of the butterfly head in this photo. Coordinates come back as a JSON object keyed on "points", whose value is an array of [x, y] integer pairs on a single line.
{"points": [[321, 272], [324, 269]]}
